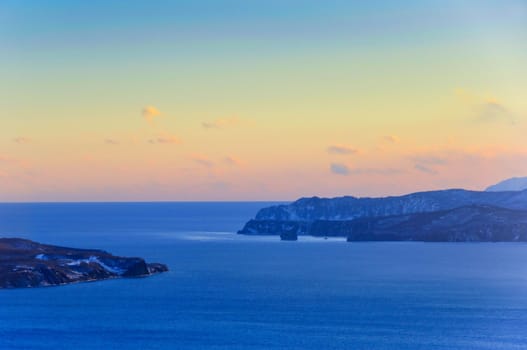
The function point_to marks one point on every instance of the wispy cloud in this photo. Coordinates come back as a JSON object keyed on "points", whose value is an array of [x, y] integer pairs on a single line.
{"points": [[374, 171], [428, 163], [111, 142], [165, 139], [202, 160], [21, 140], [429, 159], [220, 123], [339, 169], [343, 169], [492, 111], [486, 109], [341, 150], [425, 169], [150, 113]]}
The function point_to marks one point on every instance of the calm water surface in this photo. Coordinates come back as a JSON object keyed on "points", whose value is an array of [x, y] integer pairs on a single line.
{"points": [[226, 291]]}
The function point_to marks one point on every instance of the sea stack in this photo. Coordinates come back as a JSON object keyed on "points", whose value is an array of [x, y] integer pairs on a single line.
{"points": [[289, 236]]}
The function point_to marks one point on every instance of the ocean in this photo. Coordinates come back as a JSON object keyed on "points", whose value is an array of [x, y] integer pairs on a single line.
{"points": [[227, 291]]}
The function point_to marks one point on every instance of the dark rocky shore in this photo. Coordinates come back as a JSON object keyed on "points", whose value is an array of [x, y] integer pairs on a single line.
{"points": [[24, 264], [437, 216]]}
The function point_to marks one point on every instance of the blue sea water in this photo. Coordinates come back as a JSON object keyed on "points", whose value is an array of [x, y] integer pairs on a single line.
{"points": [[226, 291]]}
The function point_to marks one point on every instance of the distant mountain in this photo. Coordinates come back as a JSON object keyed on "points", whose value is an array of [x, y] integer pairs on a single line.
{"points": [[333, 216], [513, 184]]}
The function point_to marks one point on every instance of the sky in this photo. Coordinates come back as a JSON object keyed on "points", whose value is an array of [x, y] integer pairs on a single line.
{"points": [[259, 99]]}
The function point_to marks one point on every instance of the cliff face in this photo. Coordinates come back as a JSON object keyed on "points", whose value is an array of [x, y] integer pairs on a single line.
{"points": [[24, 263], [348, 208], [498, 213], [466, 224]]}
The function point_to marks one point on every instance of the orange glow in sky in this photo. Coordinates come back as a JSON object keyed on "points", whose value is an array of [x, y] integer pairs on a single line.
{"points": [[259, 102]]}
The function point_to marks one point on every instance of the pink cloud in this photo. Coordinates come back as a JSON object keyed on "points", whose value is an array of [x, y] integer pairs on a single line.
{"points": [[232, 161]]}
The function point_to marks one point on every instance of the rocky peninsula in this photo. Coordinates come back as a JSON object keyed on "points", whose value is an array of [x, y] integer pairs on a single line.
{"points": [[24, 264], [454, 215]]}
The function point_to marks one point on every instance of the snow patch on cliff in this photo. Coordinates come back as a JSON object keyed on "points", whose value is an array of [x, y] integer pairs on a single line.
{"points": [[94, 259]]}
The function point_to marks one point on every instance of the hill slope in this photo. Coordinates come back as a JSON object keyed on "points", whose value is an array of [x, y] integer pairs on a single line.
{"points": [[513, 184]]}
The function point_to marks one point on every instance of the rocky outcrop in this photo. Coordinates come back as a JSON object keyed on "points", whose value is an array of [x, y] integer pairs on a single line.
{"points": [[24, 263], [449, 215], [274, 227], [289, 236]]}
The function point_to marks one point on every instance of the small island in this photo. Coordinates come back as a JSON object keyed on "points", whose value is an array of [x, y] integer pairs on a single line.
{"points": [[26, 264]]}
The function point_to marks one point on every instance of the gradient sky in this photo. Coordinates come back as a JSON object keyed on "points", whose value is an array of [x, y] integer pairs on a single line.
{"points": [[259, 100]]}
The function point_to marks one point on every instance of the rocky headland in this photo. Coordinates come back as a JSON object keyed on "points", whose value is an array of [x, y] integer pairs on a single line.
{"points": [[24, 263], [448, 215]]}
